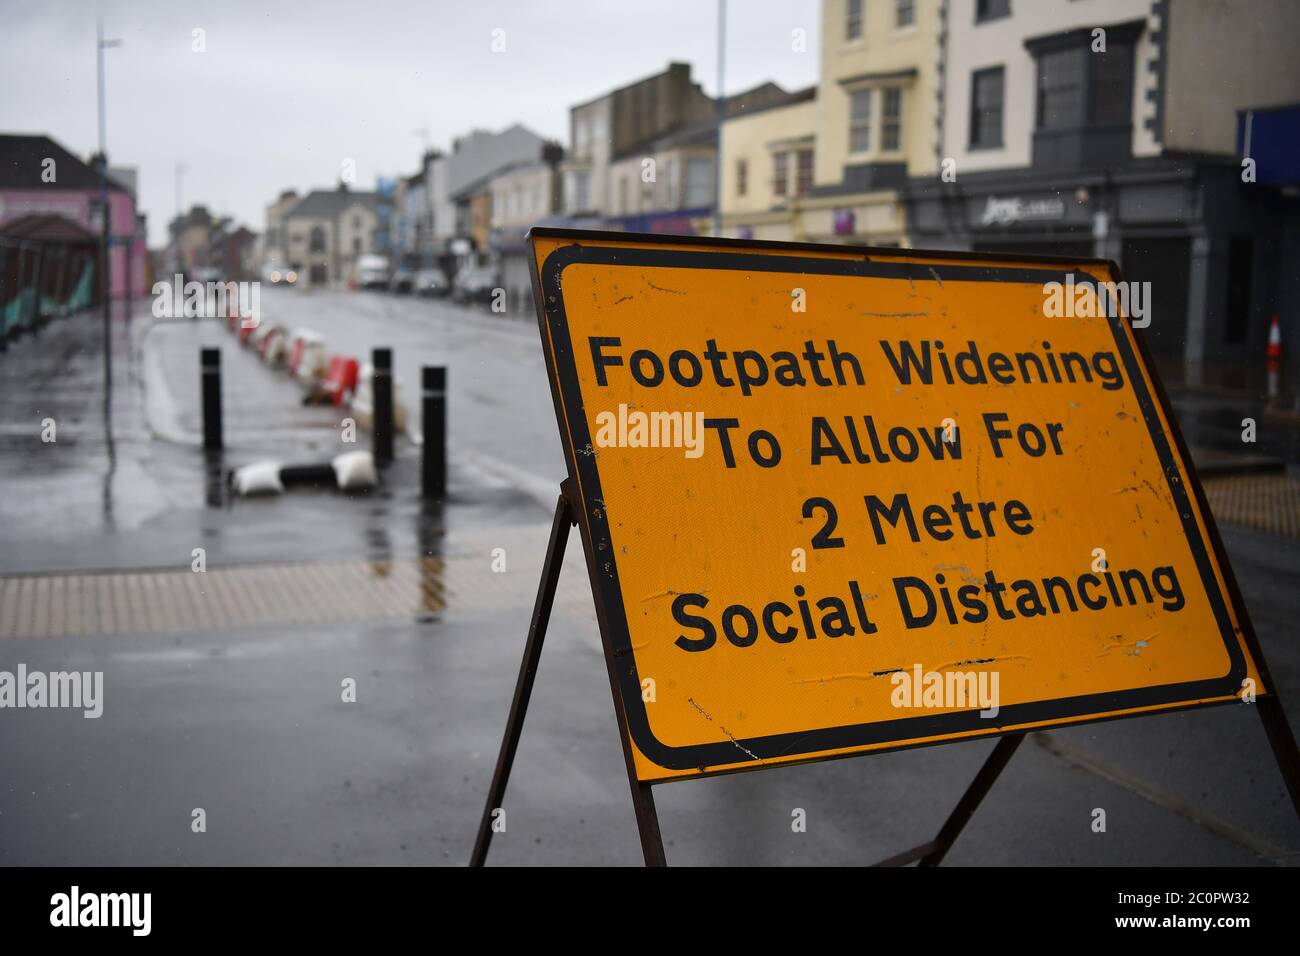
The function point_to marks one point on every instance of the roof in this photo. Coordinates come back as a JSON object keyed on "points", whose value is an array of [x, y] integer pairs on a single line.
{"points": [[22, 161], [475, 186], [679, 66], [46, 227], [519, 166], [742, 110], [329, 203], [704, 135]]}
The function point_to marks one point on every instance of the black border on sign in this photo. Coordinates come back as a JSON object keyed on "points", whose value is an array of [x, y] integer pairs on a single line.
{"points": [[875, 263]]}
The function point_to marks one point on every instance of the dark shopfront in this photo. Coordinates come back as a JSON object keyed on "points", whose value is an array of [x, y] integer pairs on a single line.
{"points": [[1209, 244]]}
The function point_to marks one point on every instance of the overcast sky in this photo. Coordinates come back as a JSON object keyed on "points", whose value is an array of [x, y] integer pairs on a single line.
{"points": [[286, 90]]}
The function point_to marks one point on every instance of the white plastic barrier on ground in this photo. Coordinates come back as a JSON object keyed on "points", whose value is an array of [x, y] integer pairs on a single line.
{"points": [[307, 359], [275, 348]]}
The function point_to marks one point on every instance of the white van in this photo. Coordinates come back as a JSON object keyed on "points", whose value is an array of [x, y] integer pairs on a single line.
{"points": [[372, 272]]}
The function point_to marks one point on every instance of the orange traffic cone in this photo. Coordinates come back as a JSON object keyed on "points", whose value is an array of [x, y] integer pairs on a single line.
{"points": [[1273, 357]]}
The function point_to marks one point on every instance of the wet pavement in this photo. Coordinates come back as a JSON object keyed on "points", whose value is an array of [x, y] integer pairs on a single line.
{"points": [[232, 700]]}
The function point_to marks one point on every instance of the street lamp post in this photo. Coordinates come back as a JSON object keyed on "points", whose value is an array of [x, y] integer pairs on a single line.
{"points": [[105, 235], [720, 114]]}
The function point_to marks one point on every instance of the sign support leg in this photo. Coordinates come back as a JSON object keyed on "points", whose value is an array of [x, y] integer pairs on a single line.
{"points": [[527, 673], [932, 853], [1283, 743], [970, 800]]}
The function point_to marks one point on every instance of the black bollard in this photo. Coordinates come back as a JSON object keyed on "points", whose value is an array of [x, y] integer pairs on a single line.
{"points": [[210, 373], [433, 470], [382, 390]]}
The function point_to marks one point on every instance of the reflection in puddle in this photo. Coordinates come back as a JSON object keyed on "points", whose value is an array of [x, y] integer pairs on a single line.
{"points": [[428, 536]]}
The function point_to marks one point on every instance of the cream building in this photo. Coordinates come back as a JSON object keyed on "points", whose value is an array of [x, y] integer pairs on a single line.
{"points": [[767, 169], [327, 231], [523, 195], [829, 168], [673, 173]]}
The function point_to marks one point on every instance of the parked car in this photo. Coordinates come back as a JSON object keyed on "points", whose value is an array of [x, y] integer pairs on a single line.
{"points": [[475, 284], [431, 282], [403, 280], [372, 272], [279, 275]]}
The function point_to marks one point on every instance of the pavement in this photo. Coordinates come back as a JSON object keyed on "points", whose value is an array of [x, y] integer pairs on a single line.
{"points": [[224, 691]]}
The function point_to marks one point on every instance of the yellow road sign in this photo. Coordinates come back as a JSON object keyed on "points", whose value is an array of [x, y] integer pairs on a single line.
{"points": [[836, 501]]}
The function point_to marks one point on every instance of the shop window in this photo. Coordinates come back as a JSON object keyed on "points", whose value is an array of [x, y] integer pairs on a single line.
{"points": [[986, 88], [1236, 322]]}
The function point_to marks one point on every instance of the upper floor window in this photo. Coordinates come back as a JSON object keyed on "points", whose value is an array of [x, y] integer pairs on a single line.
{"points": [[986, 91], [1079, 88], [780, 173], [891, 119], [853, 19], [699, 182], [991, 10], [317, 243], [579, 190], [803, 172], [904, 13], [1110, 85], [860, 121], [1061, 78], [742, 177]]}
